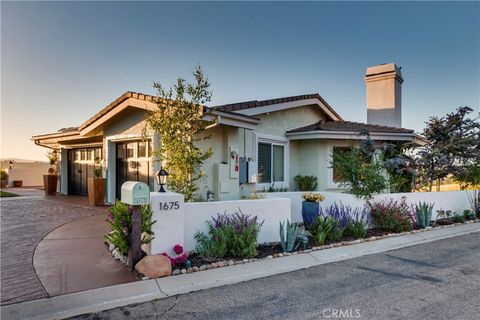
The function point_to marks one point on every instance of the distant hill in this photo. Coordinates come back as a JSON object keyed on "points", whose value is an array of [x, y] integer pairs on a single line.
{"points": [[7, 160]]}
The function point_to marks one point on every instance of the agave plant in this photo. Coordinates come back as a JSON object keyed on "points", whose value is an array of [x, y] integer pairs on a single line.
{"points": [[289, 233], [423, 213]]}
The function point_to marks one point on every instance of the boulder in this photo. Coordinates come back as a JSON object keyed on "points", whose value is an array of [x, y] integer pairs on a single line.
{"points": [[154, 266]]}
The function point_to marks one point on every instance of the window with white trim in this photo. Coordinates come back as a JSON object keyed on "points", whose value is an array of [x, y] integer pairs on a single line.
{"points": [[271, 162]]}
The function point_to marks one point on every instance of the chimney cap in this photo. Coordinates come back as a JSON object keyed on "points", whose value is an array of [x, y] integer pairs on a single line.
{"points": [[384, 70]]}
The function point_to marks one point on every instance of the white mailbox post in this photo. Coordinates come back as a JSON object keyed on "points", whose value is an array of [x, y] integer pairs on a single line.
{"points": [[135, 194], [168, 210]]}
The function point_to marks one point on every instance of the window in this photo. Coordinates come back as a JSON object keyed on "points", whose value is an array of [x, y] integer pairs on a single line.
{"points": [[271, 163], [130, 149], [336, 179], [142, 149]]}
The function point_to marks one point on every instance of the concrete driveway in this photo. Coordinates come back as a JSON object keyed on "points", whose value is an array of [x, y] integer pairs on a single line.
{"points": [[436, 280], [26, 220]]}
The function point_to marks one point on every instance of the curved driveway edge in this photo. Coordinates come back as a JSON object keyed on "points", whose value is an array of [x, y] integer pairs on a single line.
{"points": [[73, 257], [25, 221], [106, 298]]}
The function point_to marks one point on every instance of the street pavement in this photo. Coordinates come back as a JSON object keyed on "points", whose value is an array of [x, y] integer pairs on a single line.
{"points": [[436, 280]]}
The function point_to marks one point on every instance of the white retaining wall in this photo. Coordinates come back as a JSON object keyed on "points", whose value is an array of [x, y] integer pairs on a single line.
{"points": [[446, 200], [272, 211]]}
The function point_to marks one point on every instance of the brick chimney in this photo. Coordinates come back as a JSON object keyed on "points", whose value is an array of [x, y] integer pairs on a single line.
{"points": [[384, 95]]}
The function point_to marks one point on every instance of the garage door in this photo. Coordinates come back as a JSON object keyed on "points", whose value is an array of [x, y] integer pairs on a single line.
{"points": [[81, 166], [133, 163]]}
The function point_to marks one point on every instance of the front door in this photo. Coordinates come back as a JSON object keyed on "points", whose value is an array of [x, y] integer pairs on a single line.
{"points": [[133, 163]]}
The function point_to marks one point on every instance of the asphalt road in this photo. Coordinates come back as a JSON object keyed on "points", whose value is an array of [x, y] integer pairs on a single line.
{"points": [[437, 280]]}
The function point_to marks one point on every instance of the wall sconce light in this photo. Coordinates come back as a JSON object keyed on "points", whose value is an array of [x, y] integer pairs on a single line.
{"points": [[161, 177]]}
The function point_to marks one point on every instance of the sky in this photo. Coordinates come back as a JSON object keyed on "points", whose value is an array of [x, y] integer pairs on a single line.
{"points": [[61, 62]]}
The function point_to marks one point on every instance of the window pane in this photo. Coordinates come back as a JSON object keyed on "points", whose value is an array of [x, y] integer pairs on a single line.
{"points": [[120, 151], [142, 149], [337, 150], [278, 163], [89, 154], [130, 148], [264, 162], [82, 154]]}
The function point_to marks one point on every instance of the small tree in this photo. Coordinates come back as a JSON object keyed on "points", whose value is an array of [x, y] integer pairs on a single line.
{"points": [[52, 156], [453, 147], [178, 119], [360, 170]]}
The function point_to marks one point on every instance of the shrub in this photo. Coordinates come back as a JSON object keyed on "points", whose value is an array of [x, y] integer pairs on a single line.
{"points": [[468, 214], [254, 196], [229, 235], [391, 215], [356, 229], [458, 218], [423, 214], [3, 175], [120, 220], [346, 221], [313, 197], [180, 260], [320, 229], [306, 183]]}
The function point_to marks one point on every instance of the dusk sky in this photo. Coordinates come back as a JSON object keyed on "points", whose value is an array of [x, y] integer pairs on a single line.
{"points": [[61, 62]]}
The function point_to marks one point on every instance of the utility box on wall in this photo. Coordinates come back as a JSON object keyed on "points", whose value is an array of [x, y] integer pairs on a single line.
{"points": [[242, 176], [252, 171]]}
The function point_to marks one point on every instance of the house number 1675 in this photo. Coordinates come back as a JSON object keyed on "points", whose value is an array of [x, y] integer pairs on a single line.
{"points": [[170, 205]]}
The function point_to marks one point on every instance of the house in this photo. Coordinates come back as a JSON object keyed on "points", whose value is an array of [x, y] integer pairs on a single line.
{"points": [[256, 144]]}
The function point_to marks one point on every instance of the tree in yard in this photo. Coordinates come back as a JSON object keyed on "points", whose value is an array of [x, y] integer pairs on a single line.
{"points": [[371, 168], [453, 147], [359, 169], [178, 119]]}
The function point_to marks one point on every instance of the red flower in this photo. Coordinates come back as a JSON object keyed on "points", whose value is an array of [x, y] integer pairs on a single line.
{"points": [[178, 249], [180, 259]]}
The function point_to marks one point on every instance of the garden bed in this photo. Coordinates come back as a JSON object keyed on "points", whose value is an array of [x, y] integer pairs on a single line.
{"points": [[274, 250]]}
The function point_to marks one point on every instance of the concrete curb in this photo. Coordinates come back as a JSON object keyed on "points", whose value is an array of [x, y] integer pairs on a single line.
{"points": [[96, 300]]}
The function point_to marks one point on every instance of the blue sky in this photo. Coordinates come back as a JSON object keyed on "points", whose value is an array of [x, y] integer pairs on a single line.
{"points": [[63, 61]]}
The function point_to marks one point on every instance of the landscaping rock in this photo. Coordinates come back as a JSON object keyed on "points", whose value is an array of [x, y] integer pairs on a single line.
{"points": [[221, 264], [195, 269], [203, 267], [183, 271], [154, 266], [245, 260], [231, 262], [190, 270], [176, 272], [270, 257], [214, 265], [111, 247]]}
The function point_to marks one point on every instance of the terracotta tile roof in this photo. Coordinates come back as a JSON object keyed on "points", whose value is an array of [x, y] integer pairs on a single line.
{"points": [[348, 126], [116, 102], [262, 103]]}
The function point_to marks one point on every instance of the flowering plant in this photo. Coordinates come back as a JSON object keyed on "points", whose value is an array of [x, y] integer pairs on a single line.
{"points": [[229, 235], [180, 260], [313, 197], [392, 215]]}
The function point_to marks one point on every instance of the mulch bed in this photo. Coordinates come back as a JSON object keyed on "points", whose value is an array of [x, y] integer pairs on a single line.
{"points": [[270, 249]]}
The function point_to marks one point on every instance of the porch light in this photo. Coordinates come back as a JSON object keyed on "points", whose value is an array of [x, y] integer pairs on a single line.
{"points": [[161, 177], [10, 164]]}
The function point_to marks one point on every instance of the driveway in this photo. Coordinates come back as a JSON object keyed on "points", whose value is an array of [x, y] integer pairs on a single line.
{"points": [[436, 280], [26, 220]]}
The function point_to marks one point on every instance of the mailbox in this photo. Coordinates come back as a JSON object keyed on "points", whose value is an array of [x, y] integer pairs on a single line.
{"points": [[135, 193]]}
